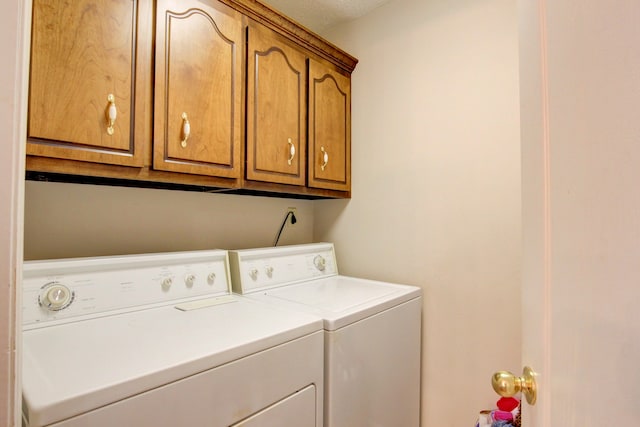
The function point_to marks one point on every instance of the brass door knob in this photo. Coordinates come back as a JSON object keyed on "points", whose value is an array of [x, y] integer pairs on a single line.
{"points": [[507, 385]]}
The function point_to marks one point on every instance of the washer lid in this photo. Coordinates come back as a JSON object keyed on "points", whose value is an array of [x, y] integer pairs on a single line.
{"points": [[76, 367], [341, 300]]}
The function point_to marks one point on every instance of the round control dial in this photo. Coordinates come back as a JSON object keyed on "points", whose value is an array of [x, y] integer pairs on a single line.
{"points": [[319, 262], [166, 283], [189, 280], [269, 271], [55, 296], [211, 278]]}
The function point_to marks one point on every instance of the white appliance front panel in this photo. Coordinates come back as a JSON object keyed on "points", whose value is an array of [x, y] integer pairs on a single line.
{"points": [[281, 386], [372, 370], [73, 368], [297, 410]]}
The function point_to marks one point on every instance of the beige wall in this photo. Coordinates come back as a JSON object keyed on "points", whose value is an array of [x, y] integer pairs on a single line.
{"points": [[436, 185], [72, 220]]}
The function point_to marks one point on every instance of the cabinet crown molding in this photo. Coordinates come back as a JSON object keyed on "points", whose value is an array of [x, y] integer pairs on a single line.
{"points": [[291, 29]]}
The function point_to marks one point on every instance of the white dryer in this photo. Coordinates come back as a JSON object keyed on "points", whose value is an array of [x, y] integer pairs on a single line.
{"points": [[372, 330], [159, 340]]}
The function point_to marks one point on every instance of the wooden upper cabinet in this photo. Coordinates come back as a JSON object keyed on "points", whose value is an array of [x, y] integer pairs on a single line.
{"points": [[329, 128], [226, 94], [276, 109], [198, 88], [84, 65]]}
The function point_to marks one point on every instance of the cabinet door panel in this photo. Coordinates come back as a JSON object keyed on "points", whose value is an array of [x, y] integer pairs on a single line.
{"points": [[276, 110], [198, 80], [82, 52], [329, 128]]}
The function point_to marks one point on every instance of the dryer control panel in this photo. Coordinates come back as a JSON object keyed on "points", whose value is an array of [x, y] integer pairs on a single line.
{"points": [[73, 289], [254, 270]]}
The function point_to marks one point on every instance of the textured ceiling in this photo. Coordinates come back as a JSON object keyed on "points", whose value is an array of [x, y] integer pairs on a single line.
{"points": [[317, 15]]}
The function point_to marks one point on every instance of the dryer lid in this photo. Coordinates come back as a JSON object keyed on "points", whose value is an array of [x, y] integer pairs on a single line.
{"points": [[76, 367], [341, 300]]}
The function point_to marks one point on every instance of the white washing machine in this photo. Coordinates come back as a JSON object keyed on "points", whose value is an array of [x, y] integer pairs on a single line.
{"points": [[159, 340], [372, 330]]}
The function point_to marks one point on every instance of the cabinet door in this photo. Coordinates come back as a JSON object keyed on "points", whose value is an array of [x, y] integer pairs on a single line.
{"points": [[83, 57], [329, 128], [276, 110], [198, 92]]}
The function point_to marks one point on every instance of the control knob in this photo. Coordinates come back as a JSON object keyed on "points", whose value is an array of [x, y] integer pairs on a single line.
{"points": [[166, 283], [319, 262], [55, 296], [269, 271], [189, 280], [211, 278]]}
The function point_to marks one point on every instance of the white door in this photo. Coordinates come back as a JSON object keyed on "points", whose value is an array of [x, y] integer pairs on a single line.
{"points": [[580, 110], [13, 124]]}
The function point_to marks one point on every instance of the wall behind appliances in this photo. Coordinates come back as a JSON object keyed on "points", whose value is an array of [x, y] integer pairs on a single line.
{"points": [[74, 220], [436, 185]]}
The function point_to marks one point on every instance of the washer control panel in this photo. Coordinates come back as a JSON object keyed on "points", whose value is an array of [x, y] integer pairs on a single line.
{"points": [[254, 270], [71, 289]]}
